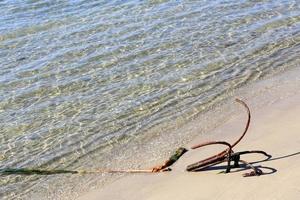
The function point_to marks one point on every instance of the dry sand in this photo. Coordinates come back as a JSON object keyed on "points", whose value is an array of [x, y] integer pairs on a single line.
{"points": [[275, 128]]}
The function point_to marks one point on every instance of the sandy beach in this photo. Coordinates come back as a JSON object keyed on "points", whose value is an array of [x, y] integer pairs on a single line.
{"points": [[274, 128]]}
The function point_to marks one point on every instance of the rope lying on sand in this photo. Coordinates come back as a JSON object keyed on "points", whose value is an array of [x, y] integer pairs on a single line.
{"points": [[162, 168], [224, 156], [28, 171]]}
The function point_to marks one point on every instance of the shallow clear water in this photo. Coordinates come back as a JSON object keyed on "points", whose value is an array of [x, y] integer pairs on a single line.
{"points": [[80, 79]]}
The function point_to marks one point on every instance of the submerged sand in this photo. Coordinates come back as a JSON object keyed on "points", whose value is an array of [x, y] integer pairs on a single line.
{"points": [[275, 128]]}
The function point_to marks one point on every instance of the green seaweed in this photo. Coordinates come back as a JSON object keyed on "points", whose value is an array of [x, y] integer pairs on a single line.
{"points": [[179, 152], [28, 171]]}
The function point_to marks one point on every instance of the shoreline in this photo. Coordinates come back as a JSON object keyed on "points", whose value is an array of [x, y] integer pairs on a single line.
{"points": [[271, 119]]}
